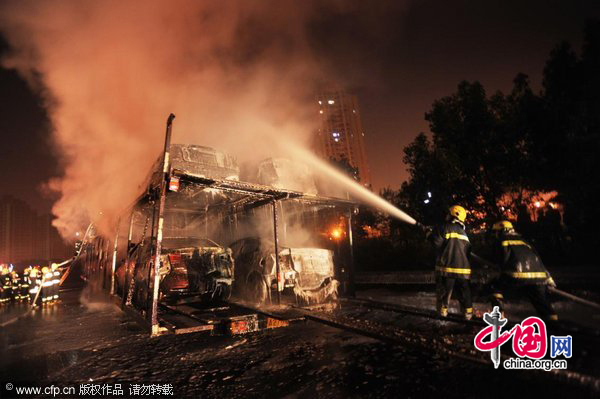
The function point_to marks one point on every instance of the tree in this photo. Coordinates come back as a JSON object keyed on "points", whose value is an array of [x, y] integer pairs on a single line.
{"points": [[482, 148], [474, 153], [568, 143]]}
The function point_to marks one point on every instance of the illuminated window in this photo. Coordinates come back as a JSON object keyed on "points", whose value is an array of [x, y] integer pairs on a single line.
{"points": [[320, 111], [330, 102], [320, 102]]}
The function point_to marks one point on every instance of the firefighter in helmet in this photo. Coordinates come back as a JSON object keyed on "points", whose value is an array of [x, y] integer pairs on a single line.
{"points": [[55, 280], [25, 284], [522, 271], [452, 266], [46, 293], [16, 286], [5, 284], [35, 276]]}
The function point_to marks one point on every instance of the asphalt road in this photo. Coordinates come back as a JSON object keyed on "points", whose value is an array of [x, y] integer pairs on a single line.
{"points": [[80, 341]]}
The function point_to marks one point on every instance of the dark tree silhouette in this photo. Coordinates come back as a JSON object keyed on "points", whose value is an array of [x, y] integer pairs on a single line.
{"points": [[483, 147]]}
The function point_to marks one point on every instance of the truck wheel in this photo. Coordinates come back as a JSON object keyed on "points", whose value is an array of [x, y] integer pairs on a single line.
{"points": [[256, 289], [223, 292]]}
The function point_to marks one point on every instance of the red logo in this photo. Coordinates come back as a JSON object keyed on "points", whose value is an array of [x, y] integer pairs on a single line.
{"points": [[529, 338]]}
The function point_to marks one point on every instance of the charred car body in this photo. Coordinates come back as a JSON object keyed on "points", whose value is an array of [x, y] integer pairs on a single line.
{"points": [[307, 273], [284, 173], [189, 267], [204, 162]]}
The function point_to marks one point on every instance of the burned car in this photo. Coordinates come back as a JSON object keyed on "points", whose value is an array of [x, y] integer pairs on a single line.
{"points": [[204, 161], [189, 267], [306, 273], [280, 173], [196, 265], [284, 173]]}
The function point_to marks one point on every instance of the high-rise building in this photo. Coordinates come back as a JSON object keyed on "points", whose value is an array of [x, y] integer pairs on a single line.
{"points": [[340, 134]]}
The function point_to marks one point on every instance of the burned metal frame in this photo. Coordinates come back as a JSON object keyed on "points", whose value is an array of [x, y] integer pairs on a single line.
{"points": [[252, 196], [161, 211], [276, 244], [114, 258]]}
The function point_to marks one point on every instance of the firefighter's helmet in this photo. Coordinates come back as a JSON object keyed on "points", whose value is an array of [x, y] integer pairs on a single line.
{"points": [[458, 212], [502, 225], [54, 266], [45, 269]]}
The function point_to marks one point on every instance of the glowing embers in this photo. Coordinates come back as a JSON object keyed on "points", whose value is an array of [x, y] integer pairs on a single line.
{"points": [[336, 233], [174, 183]]}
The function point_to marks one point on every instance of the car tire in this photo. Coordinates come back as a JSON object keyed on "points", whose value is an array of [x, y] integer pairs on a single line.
{"points": [[256, 289], [223, 292]]}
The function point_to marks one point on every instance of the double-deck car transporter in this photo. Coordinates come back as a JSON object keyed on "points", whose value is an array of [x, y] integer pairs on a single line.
{"points": [[167, 265]]}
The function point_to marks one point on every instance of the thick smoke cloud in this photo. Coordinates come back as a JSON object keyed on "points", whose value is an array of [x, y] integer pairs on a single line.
{"points": [[236, 74]]}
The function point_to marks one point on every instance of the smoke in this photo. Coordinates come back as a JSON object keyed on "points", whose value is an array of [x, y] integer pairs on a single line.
{"points": [[235, 73], [239, 75]]}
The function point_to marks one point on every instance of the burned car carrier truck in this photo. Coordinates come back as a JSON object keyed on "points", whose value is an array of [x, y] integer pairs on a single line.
{"points": [[184, 239]]}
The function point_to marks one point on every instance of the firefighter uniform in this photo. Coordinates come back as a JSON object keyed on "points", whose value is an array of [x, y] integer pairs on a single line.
{"points": [[46, 285], [25, 284], [55, 281], [35, 276], [452, 266], [522, 272], [16, 286], [5, 284]]}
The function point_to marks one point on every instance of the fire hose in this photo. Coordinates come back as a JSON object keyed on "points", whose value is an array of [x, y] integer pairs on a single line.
{"points": [[73, 259], [551, 289]]}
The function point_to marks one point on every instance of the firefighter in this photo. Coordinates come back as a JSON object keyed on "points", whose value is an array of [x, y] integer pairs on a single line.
{"points": [[46, 293], [55, 281], [25, 284], [452, 266], [16, 286], [35, 275], [522, 271], [5, 284]]}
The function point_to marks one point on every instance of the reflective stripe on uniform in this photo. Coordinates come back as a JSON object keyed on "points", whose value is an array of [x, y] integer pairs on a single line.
{"points": [[457, 235], [452, 270], [528, 274], [510, 243]]}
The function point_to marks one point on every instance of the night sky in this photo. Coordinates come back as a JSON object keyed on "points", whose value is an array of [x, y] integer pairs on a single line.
{"points": [[398, 57]]}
